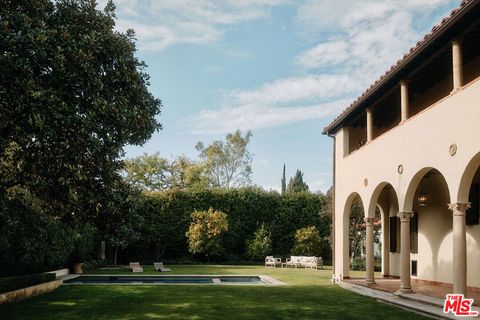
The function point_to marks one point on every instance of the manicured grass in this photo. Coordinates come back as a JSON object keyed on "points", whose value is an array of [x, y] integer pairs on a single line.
{"points": [[309, 295]]}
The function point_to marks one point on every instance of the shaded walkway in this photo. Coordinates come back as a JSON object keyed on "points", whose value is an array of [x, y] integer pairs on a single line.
{"points": [[392, 285]]}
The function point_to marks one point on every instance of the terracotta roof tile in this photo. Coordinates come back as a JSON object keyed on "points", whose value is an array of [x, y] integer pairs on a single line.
{"points": [[419, 43]]}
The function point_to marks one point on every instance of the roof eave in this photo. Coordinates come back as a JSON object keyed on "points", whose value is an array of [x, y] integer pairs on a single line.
{"points": [[332, 127]]}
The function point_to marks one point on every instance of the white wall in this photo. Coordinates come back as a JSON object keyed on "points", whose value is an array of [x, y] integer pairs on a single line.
{"points": [[420, 143]]}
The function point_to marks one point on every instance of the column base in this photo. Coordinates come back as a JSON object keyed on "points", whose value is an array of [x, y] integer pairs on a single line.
{"points": [[370, 281], [404, 291]]}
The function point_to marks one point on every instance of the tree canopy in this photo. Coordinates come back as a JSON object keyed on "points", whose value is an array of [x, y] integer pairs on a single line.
{"points": [[296, 183], [205, 232], [229, 163], [154, 173], [72, 95]]}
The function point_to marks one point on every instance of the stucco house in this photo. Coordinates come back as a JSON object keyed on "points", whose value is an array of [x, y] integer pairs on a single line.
{"points": [[409, 149]]}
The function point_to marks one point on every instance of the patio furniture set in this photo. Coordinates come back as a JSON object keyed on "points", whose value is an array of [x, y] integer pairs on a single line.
{"points": [[295, 261]]}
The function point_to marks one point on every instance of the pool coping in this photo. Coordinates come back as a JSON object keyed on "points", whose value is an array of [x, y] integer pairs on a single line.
{"points": [[267, 280]]}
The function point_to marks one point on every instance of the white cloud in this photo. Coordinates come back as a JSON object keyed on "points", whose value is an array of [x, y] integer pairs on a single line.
{"points": [[295, 90], [365, 37], [161, 23], [252, 116], [323, 55]]}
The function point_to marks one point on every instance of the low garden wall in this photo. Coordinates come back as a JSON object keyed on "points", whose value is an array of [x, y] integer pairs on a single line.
{"points": [[32, 291]]}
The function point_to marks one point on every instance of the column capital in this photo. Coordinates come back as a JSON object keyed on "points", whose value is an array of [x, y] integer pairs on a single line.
{"points": [[405, 216], [404, 82], [457, 41], [369, 221], [459, 208]]}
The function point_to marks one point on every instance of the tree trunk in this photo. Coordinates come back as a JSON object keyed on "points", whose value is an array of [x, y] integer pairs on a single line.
{"points": [[115, 256]]}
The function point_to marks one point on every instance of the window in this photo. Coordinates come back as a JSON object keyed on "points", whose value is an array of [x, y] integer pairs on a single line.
{"points": [[414, 233], [393, 234], [473, 214]]}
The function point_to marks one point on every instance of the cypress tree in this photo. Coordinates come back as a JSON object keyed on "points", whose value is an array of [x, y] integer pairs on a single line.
{"points": [[296, 183]]}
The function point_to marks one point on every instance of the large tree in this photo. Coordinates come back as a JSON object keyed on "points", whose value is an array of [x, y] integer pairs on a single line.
{"points": [[72, 95], [229, 162], [155, 173]]}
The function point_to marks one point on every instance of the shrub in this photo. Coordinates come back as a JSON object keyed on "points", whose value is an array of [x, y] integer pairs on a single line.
{"points": [[84, 243], [359, 264], [205, 231], [307, 241], [261, 244], [19, 282], [30, 241]]}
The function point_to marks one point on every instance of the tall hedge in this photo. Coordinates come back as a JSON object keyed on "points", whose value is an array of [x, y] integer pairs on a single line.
{"points": [[31, 242], [167, 217]]}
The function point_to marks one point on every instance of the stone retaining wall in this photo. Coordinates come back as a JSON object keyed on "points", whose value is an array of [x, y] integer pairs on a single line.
{"points": [[29, 292]]}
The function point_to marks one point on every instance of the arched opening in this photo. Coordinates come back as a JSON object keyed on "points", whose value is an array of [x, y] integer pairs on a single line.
{"points": [[352, 211], [356, 238], [469, 191], [384, 202], [431, 226]]}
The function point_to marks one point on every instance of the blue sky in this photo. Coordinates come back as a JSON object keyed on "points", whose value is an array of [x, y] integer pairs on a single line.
{"points": [[280, 68]]}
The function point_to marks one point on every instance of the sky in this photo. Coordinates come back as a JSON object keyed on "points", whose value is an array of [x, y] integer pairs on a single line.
{"points": [[280, 68]]}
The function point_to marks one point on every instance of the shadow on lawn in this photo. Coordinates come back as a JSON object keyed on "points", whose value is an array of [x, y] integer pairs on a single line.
{"points": [[201, 302]]}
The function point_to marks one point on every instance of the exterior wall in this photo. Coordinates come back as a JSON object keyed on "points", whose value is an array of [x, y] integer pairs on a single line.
{"points": [[418, 144], [435, 238]]}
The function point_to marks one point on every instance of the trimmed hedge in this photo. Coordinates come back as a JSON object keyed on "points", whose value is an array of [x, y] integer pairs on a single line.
{"points": [[31, 242], [167, 217], [20, 282]]}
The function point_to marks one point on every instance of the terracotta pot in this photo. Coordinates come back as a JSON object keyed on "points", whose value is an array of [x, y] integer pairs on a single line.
{"points": [[77, 268]]}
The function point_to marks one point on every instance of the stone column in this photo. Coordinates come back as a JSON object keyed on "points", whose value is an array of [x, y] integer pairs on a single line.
{"points": [[405, 285], [457, 65], [370, 259], [404, 100], [369, 125], [459, 247]]}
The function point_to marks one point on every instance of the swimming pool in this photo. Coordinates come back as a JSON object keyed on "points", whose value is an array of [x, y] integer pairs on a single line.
{"points": [[173, 279]]}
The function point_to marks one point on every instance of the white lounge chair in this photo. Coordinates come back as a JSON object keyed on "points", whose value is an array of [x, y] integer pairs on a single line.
{"points": [[136, 267], [271, 261], [160, 267]]}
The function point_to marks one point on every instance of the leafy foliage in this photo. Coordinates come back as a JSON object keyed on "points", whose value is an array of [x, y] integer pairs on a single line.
{"points": [[296, 183], [357, 231], [307, 241], [228, 163], [261, 244], [30, 241], [72, 95], [168, 216], [205, 231], [154, 173], [83, 243], [119, 220]]}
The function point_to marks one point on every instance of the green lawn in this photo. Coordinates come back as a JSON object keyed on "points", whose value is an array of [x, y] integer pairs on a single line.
{"points": [[309, 295]]}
